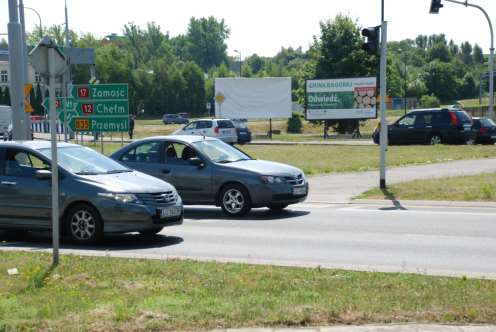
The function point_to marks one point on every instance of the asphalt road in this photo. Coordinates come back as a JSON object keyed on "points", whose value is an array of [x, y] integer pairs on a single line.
{"points": [[426, 240]]}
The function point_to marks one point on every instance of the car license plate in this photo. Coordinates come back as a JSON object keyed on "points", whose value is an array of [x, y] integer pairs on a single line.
{"points": [[299, 191], [169, 212]]}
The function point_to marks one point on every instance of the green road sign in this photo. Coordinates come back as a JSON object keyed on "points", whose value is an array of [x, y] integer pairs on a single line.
{"points": [[59, 103], [103, 107], [100, 123], [100, 91]]}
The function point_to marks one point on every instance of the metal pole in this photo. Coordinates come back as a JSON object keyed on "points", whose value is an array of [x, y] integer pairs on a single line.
{"points": [[67, 74], [384, 129], [55, 170], [405, 86], [491, 82], [27, 117], [490, 112], [16, 63]]}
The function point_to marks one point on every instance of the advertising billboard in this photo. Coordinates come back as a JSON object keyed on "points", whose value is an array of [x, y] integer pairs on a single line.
{"points": [[253, 98], [344, 98]]}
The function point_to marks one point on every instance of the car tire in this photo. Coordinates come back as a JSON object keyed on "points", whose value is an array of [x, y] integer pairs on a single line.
{"points": [[435, 139], [278, 207], [151, 232], [83, 224], [235, 200]]}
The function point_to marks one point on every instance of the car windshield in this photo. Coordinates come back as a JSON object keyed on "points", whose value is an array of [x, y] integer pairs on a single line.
{"points": [[487, 123], [84, 161], [220, 152]]}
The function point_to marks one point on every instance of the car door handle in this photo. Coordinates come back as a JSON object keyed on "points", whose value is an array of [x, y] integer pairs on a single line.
{"points": [[8, 183], [166, 171]]}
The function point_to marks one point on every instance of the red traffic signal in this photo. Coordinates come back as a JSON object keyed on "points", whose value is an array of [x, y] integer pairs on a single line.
{"points": [[435, 6], [371, 46]]}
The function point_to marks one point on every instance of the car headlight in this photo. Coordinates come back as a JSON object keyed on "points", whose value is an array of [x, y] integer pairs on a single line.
{"points": [[272, 179], [122, 198]]}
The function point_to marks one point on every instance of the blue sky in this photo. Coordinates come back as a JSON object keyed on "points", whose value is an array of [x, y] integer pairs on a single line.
{"points": [[263, 26]]}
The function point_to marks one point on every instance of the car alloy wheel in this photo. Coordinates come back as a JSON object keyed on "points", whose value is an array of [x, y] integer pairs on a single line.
{"points": [[235, 200], [435, 140], [83, 224]]}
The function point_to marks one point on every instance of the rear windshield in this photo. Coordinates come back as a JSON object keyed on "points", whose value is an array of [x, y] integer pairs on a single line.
{"points": [[463, 116], [225, 124], [487, 123]]}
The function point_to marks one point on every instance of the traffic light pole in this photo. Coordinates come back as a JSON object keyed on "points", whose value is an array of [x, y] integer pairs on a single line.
{"points": [[384, 125], [491, 55], [16, 71]]}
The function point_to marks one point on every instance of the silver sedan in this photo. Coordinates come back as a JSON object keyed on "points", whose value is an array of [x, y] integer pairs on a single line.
{"points": [[207, 171]]}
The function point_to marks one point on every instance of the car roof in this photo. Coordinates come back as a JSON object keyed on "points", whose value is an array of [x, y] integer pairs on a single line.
{"points": [[35, 145], [215, 119], [180, 138], [437, 109]]}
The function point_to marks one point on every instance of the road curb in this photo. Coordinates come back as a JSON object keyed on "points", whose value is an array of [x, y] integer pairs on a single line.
{"points": [[375, 328], [461, 204]]}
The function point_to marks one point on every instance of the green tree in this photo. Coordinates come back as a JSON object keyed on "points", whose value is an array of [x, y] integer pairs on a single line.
{"points": [[6, 96], [478, 55], [440, 79], [340, 53], [466, 48], [439, 51], [207, 41], [194, 102]]}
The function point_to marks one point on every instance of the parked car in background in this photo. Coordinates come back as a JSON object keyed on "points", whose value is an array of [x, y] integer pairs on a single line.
{"points": [[430, 126], [174, 119], [484, 131], [242, 130], [5, 121], [98, 195], [222, 129], [208, 171]]}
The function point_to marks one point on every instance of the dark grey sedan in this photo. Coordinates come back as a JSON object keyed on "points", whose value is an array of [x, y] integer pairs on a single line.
{"points": [[97, 194], [208, 171]]}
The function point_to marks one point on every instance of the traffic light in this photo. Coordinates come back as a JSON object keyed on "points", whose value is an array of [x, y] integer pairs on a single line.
{"points": [[371, 46], [435, 6]]}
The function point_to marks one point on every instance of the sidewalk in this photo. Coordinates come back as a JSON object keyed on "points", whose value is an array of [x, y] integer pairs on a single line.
{"points": [[376, 328], [342, 187]]}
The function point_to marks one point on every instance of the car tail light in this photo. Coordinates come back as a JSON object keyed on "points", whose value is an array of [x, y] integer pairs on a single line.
{"points": [[216, 130], [483, 130], [454, 119]]}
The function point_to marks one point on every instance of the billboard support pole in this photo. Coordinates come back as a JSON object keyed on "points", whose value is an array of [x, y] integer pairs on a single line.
{"points": [[384, 128]]}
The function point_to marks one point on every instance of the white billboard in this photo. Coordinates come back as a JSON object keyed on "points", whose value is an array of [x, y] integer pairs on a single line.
{"points": [[344, 98], [253, 98]]}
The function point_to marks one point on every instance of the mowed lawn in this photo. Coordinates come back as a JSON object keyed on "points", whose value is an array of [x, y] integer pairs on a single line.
{"points": [[479, 188], [320, 159], [110, 294], [327, 159]]}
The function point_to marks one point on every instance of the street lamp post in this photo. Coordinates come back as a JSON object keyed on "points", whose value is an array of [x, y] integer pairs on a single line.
{"points": [[39, 18], [240, 63], [435, 5]]}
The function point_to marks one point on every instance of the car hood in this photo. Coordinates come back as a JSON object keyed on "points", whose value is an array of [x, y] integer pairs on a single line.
{"points": [[264, 167], [129, 182]]}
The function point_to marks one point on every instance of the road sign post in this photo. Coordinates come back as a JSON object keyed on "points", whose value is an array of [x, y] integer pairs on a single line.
{"points": [[50, 63]]}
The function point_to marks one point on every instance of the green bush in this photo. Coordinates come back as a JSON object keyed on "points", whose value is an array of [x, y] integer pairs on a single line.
{"points": [[295, 124], [429, 101]]}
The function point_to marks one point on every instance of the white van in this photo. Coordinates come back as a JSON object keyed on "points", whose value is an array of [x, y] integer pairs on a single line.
{"points": [[5, 119]]}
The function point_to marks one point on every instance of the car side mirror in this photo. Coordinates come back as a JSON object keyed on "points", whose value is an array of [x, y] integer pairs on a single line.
{"points": [[43, 174], [196, 162]]}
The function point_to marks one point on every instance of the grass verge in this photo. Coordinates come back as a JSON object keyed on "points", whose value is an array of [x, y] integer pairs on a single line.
{"points": [[331, 159], [475, 188], [102, 294]]}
